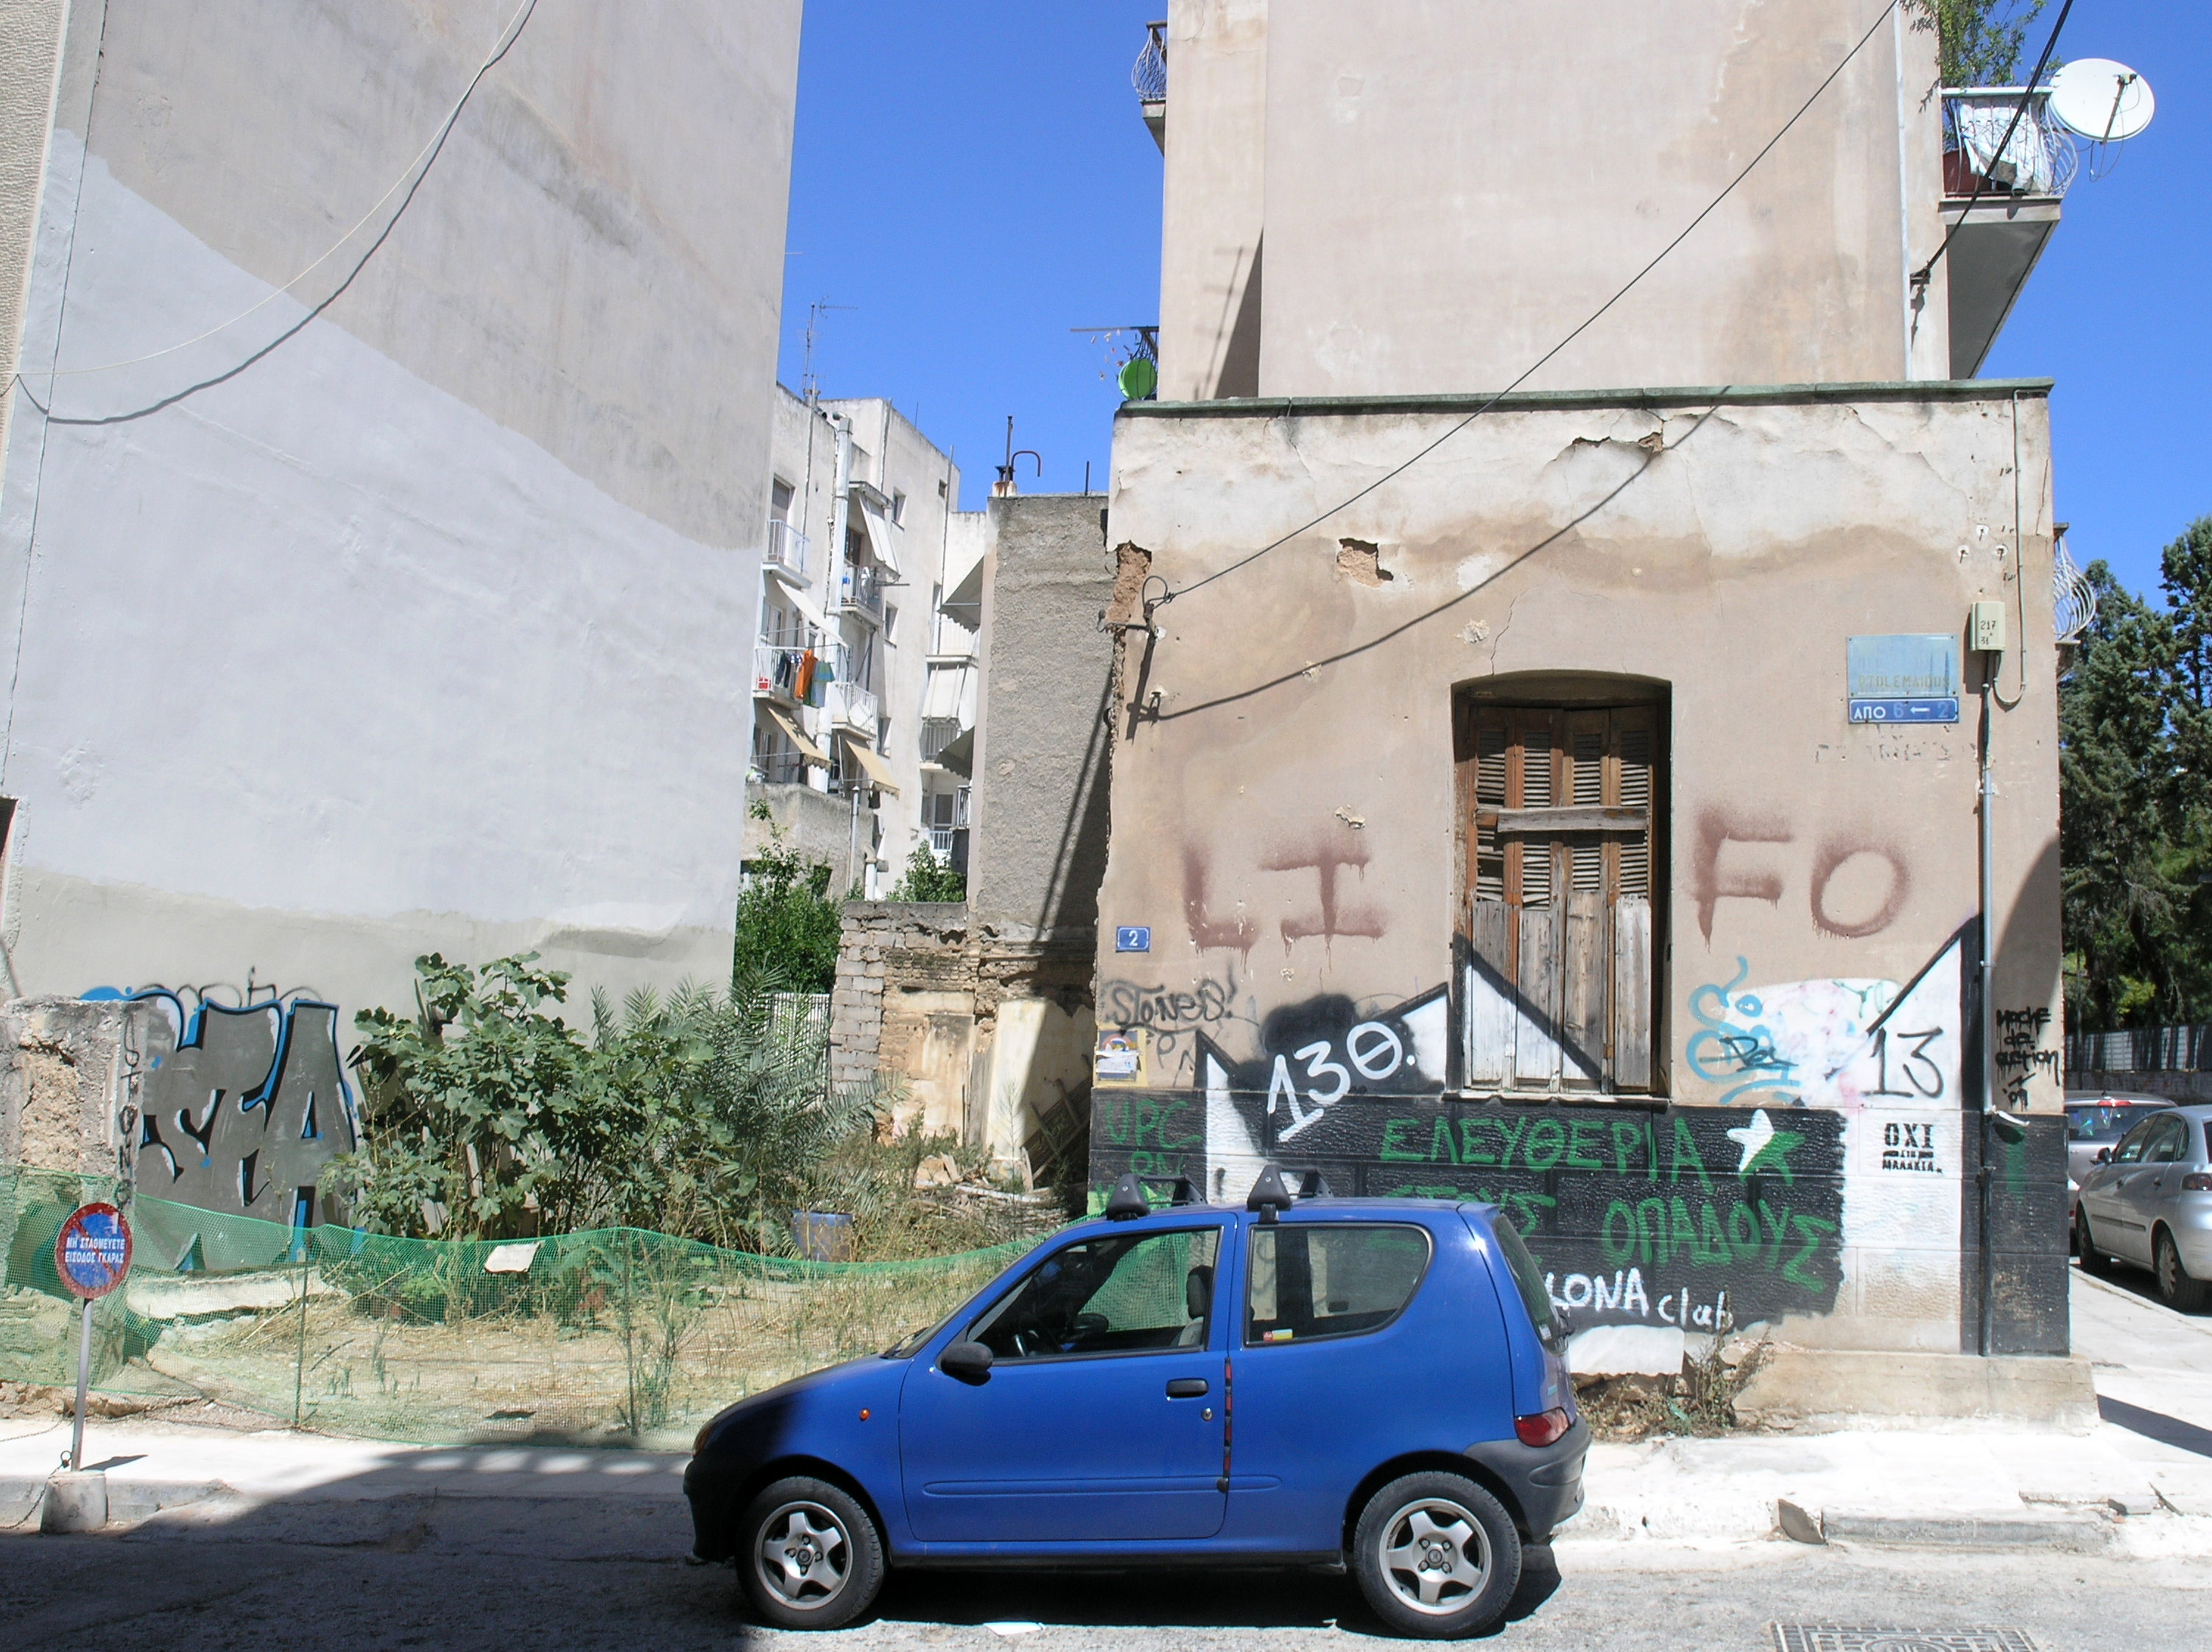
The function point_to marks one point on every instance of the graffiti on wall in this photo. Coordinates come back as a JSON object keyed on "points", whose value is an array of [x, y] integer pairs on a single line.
{"points": [[1173, 1015], [2020, 1056], [1856, 884], [241, 1115]]}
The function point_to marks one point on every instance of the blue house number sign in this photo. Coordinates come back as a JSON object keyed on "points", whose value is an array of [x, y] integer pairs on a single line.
{"points": [[1133, 938]]}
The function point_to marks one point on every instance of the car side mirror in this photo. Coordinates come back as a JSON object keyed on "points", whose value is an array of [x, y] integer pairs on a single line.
{"points": [[966, 1361], [2104, 1155]]}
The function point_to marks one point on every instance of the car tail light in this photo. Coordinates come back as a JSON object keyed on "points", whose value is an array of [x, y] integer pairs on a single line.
{"points": [[1543, 1428], [2197, 1182]]}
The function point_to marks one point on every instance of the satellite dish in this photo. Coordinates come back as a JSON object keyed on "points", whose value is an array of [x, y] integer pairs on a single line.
{"points": [[2101, 101]]}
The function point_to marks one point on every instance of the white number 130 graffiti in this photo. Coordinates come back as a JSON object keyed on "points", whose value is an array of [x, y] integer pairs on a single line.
{"points": [[1375, 1051]]}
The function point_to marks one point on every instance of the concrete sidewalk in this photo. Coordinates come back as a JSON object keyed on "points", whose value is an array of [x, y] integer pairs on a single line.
{"points": [[2140, 1483]]}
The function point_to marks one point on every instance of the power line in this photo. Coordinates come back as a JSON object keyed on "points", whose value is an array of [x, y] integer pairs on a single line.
{"points": [[1589, 322], [421, 170]]}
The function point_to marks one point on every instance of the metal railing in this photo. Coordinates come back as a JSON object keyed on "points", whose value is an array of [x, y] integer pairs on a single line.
{"points": [[787, 547], [940, 842], [862, 588], [2141, 1049], [777, 666], [1149, 76], [2040, 159], [853, 706], [937, 733]]}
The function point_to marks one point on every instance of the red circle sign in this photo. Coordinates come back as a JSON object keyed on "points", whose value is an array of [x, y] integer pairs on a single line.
{"points": [[93, 1251]]}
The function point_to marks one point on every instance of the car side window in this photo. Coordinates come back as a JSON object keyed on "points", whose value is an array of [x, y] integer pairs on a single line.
{"points": [[2130, 1149], [1144, 1293], [2170, 1142], [1307, 1280]]}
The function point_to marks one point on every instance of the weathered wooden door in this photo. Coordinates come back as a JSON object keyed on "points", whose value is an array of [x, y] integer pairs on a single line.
{"points": [[1560, 992]]}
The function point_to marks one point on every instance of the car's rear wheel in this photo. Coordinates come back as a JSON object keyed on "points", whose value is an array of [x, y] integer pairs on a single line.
{"points": [[2094, 1260], [1436, 1556], [2174, 1284], [810, 1556]]}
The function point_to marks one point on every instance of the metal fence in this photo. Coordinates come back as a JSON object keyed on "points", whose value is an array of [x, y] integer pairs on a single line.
{"points": [[2141, 1049]]}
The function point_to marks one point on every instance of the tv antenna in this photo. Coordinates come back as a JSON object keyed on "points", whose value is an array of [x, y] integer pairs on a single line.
{"points": [[1004, 486], [809, 387]]}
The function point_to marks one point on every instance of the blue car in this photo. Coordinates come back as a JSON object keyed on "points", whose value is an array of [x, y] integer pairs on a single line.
{"points": [[1371, 1384]]}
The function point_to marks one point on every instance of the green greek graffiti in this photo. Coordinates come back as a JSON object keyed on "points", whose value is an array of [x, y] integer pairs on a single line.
{"points": [[1158, 1124], [1625, 1147], [1737, 1234], [1526, 1211]]}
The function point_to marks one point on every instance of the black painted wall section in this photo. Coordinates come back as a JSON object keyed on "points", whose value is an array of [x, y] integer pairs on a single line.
{"points": [[2029, 1278]]}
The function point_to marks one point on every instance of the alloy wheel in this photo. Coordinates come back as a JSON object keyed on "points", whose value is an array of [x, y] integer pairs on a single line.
{"points": [[805, 1555], [1435, 1556]]}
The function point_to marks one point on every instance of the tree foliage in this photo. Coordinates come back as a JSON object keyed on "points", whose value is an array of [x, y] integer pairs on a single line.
{"points": [[1978, 42], [787, 925], [929, 878], [2136, 838], [486, 1115]]}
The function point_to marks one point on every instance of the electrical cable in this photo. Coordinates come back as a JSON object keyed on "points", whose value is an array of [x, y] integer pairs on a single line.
{"points": [[1591, 320], [419, 169], [1920, 277]]}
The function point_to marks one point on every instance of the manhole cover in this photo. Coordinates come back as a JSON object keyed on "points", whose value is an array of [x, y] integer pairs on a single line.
{"points": [[1859, 1637]]}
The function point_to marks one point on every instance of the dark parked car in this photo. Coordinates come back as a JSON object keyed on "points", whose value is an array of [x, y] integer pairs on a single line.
{"points": [[1392, 1370]]}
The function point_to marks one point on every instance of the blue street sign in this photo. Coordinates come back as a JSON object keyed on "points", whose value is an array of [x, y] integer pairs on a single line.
{"points": [[1133, 938], [93, 1251], [1904, 711]]}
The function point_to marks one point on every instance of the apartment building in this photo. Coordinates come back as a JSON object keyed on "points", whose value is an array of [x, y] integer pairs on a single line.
{"points": [[1587, 741], [860, 678]]}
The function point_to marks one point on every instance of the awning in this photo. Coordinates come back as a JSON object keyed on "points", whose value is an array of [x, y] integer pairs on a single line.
{"points": [[784, 720], [797, 596], [946, 689], [960, 755], [877, 771], [879, 534], [964, 601]]}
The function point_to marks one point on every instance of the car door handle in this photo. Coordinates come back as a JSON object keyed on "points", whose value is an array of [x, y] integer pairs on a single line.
{"points": [[1186, 1387]]}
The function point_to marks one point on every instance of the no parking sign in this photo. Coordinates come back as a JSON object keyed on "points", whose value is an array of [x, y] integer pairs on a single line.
{"points": [[93, 1252]]}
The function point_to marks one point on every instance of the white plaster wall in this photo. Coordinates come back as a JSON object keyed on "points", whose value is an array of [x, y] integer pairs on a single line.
{"points": [[30, 36], [327, 640]]}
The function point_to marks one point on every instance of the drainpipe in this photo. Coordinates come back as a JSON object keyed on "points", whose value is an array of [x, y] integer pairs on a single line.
{"points": [[1987, 1010]]}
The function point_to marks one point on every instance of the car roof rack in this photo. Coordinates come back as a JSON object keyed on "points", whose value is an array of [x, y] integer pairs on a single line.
{"points": [[1270, 1196], [1129, 1202]]}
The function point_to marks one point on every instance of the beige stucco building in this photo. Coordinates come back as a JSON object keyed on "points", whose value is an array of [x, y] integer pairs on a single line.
{"points": [[1550, 697]]}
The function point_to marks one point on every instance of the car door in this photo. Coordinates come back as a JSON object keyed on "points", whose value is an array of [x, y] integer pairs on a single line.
{"points": [[1343, 1362], [2108, 1197], [2149, 1188], [1101, 1416]]}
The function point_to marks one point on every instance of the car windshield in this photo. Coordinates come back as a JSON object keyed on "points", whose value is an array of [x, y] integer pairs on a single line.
{"points": [[906, 1346], [2105, 1121]]}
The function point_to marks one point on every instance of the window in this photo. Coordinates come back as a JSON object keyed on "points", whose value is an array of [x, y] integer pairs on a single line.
{"points": [[898, 507], [1528, 1278], [1337, 1280], [1564, 811], [2168, 1142], [1109, 1296], [2130, 1150], [778, 500]]}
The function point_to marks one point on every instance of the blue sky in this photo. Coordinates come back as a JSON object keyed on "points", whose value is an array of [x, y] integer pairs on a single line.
{"points": [[973, 181]]}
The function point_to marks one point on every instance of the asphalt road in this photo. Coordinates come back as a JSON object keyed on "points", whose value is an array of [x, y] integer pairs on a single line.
{"points": [[583, 1573]]}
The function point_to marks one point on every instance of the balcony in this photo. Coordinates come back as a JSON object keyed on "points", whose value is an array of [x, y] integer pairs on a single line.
{"points": [[1150, 78], [779, 669], [786, 551], [853, 708], [937, 733], [2020, 179], [860, 591]]}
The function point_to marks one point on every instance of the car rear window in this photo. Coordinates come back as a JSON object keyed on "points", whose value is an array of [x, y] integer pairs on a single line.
{"points": [[1333, 1280], [1528, 1278], [2100, 1123]]}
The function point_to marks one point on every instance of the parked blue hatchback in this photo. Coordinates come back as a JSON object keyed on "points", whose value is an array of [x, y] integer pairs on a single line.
{"points": [[1376, 1384]]}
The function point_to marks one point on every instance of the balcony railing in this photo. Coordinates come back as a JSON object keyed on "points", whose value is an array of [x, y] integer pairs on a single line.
{"points": [[787, 547], [937, 733], [1149, 76], [779, 669], [854, 708], [862, 588], [2040, 159]]}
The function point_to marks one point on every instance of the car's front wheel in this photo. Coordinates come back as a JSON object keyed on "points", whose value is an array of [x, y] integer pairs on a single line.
{"points": [[1436, 1556], [810, 1556]]}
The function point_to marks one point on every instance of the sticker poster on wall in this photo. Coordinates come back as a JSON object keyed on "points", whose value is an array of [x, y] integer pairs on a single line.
{"points": [[1902, 679]]}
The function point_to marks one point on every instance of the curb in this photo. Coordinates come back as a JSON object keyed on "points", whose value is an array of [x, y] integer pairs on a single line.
{"points": [[128, 1501], [2067, 1533]]}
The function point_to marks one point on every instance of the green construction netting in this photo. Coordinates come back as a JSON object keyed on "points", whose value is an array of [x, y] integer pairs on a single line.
{"points": [[613, 1334]]}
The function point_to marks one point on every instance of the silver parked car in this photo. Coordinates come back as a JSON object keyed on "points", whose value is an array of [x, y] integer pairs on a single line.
{"points": [[2149, 1201], [2097, 1119]]}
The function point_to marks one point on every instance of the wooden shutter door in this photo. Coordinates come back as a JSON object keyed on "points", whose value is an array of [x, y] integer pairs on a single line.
{"points": [[1559, 927]]}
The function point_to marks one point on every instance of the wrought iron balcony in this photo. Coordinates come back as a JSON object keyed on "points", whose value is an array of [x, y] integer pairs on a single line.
{"points": [[779, 669], [2039, 159], [862, 589], [1149, 76]]}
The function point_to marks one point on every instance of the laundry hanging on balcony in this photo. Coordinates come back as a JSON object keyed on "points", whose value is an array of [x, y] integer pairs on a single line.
{"points": [[2025, 165]]}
